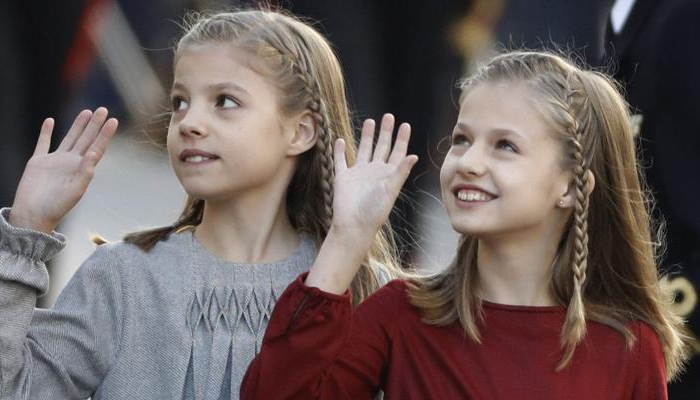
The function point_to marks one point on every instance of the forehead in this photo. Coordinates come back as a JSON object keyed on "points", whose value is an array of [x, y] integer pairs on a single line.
{"points": [[216, 62], [504, 105]]}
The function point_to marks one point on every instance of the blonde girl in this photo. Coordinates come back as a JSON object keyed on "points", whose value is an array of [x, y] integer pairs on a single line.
{"points": [[553, 292], [178, 312]]}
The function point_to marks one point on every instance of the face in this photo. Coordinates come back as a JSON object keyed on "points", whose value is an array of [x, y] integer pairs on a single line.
{"points": [[502, 174], [226, 136]]}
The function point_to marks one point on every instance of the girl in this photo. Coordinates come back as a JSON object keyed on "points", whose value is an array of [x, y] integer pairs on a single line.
{"points": [[178, 312], [542, 154]]}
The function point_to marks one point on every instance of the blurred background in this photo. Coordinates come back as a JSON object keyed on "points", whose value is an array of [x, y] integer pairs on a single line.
{"points": [[402, 57]]}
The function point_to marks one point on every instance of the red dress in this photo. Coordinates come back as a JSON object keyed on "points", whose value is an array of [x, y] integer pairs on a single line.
{"points": [[317, 347]]}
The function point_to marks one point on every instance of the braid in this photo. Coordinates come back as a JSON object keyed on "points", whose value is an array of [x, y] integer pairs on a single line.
{"points": [[575, 324], [302, 68], [325, 152], [365, 281], [190, 217]]}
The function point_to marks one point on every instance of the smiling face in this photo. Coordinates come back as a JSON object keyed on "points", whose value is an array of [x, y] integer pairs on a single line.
{"points": [[503, 172], [226, 136]]}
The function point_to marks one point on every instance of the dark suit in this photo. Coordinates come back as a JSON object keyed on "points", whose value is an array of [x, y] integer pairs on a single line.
{"points": [[577, 26], [658, 53]]}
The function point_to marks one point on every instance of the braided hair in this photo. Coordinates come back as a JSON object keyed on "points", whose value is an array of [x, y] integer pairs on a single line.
{"points": [[605, 269]]}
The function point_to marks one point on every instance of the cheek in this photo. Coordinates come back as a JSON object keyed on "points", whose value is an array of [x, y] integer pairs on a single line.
{"points": [[444, 178], [170, 142], [447, 169]]}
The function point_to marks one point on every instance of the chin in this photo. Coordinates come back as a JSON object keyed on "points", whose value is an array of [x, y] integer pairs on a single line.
{"points": [[203, 194], [478, 228], [198, 188], [467, 229]]}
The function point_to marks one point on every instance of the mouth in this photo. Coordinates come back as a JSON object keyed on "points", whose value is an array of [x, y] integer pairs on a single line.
{"points": [[473, 195], [193, 156]]}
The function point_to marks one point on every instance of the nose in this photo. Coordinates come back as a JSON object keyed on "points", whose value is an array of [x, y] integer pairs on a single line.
{"points": [[193, 123], [473, 162]]}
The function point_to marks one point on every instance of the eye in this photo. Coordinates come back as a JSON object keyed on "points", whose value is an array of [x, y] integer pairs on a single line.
{"points": [[178, 103], [460, 139], [506, 145], [225, 101]]}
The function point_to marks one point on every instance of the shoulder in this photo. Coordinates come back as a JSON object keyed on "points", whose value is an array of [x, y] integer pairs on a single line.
{"points": [[115, 254], [650, 376], [393, 291], [175, 247], [390, 299], [386, 312], [108, 262], [645, 340], [647, 344]]}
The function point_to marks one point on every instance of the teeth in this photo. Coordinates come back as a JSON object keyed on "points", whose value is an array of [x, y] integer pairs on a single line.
{"points": [[196, 159], [473, 195]]}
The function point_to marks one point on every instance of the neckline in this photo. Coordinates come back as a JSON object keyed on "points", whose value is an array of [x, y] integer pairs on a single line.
{"points": [[196, 248], [520, 308]]}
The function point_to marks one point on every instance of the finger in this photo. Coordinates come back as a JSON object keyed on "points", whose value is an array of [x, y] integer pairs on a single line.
{"points": [[87, 166], [404, 169], [78, 126], [44, 142], [339, 155], [364, 152], [99, 146], [381, 152], [401, 144], [87, 136], [87, 169]]}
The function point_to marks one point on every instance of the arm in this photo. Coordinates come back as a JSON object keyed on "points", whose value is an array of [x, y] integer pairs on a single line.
{"points": [[63, 352], [315, 345], [52, 183]]}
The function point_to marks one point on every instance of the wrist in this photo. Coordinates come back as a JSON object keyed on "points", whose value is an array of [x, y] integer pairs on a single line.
{"points": [[20, 220], [338, 259], [351, 233]]}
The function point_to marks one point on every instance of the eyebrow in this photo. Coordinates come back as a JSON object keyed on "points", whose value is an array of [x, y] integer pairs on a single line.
{"points": [[503, 131], [214, 87]]}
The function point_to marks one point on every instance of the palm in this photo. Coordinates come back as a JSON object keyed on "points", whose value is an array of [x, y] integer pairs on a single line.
{"points": [[53, 183], [365, 192]]}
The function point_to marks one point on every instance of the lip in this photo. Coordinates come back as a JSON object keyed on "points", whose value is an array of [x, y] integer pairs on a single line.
{"points": [[463, 203], [196, 152], [457, 188]]}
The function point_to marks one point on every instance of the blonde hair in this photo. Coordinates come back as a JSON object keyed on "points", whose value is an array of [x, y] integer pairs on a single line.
{"points": [[609, 277], [300, 62]]}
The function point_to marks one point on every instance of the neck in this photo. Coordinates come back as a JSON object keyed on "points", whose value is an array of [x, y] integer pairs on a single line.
{"points": [[517, 270], [248, 230]]}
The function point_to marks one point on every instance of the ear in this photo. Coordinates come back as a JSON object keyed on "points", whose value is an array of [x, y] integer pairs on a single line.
{"points": [[305, 136], [568, 198]]}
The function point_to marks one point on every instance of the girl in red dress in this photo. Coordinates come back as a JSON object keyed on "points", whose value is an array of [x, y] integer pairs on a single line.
{"points": [[554, 291]]}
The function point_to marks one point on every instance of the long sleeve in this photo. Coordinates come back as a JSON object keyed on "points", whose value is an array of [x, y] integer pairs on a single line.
{"points": [[317, 347], [650, 382], [63, 352]]}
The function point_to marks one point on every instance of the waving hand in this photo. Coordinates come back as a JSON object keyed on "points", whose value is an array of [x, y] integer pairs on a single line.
{"points": [[364, 196], [365, 192], [53, 183]]}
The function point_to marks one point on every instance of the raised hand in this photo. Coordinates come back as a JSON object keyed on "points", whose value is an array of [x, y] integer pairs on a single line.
{"points": [[363, 198], [53, 183], [365, 192]]}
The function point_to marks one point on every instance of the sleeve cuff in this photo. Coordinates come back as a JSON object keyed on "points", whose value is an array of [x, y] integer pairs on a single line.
{"points": [[316, 292], [28, 243], [23, 253]]}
